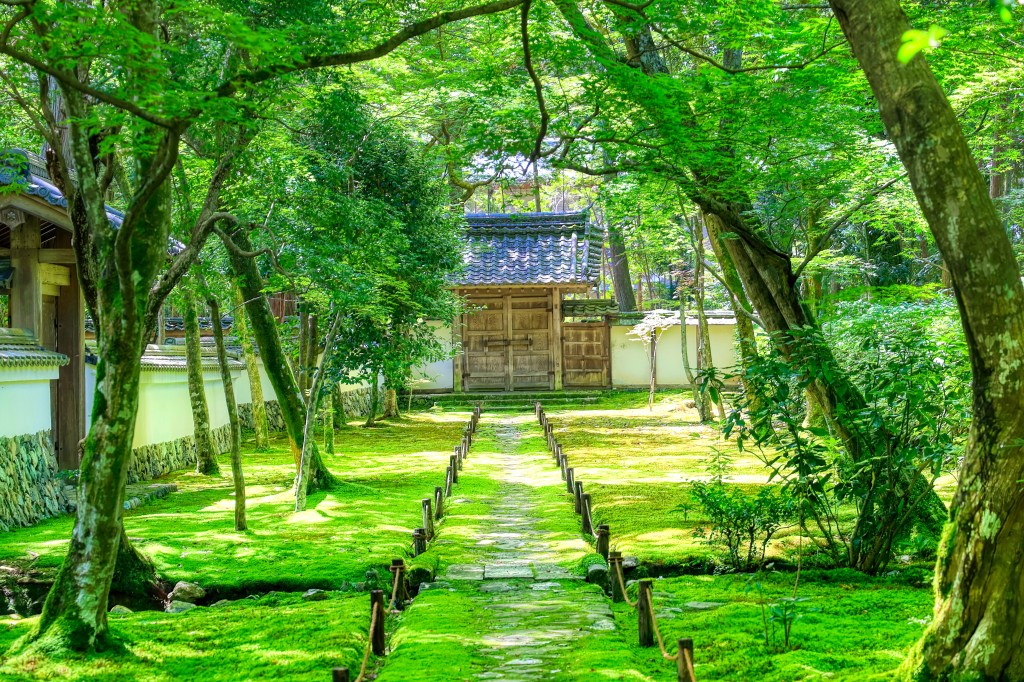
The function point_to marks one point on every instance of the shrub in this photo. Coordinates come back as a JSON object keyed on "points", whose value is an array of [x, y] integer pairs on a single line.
{"points": [[743, 523]]}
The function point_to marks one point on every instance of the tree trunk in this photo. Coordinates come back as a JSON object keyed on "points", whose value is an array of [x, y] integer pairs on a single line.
{"points": [[264, 329], [705, 361], [312, 403], [374, 398], [206, 450], [390, 409], [328, 418], [259, 406], [235, 427], [654, 370], [619, 267], [979, 587], [683, 341]]}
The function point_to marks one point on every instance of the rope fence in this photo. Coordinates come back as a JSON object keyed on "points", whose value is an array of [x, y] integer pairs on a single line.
{"points": [[647, 622], [432, 509]]}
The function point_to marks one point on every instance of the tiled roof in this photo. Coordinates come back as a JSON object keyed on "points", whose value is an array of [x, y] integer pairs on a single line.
{"points": [[29, 172], [584, 307], [19, 349], [171, 324], [529, 248], [172, 358]]}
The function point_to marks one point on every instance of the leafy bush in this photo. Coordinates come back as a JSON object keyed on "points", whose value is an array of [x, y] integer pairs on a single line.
{"points": [[743, 523]]}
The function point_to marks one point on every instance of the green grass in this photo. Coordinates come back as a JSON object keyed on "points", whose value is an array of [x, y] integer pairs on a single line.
{"points": [[361, 524], [853, 627], [272, 638]]}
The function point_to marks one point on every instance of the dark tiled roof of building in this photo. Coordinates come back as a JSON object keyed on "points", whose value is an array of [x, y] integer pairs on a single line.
{"points": [[28, 172], [20, 350], [530, 248], [171, 324]]}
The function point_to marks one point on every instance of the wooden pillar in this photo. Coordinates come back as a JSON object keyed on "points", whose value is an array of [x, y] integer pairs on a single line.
{"points": [[70, 426], [26, 289], [507, 303], [556, 335], [458, 362]]}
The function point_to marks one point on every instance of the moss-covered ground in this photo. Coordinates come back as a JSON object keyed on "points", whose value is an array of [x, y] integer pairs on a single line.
{"points": [[634, 462]]}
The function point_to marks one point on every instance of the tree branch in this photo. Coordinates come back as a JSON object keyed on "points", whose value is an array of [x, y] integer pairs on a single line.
{"points": [[538, 87]]}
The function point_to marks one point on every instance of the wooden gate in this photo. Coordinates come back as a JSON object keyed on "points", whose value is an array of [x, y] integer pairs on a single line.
{"points": [[508, 344], [586, 355]]}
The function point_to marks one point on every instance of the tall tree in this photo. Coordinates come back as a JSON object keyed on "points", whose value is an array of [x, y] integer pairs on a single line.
{"points": [[979, 610], [206, 450]]}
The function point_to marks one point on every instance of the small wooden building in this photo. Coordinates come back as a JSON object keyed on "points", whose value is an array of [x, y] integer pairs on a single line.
{"points": [[38, 276], [519, 270]]}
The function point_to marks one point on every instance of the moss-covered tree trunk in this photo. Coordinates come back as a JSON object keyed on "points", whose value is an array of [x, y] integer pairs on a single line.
{"points": [[261, 427], [371, 417], [312, 405], [620, 269], [206, 451], [328, 419], [235, 428], [265, 332], [684, 342], [978, 621], [390, 408], [704, 358]]}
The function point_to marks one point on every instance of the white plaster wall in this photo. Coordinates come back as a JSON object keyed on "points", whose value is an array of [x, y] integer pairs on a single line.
{"points": [[631, 363], [25, 401], [437, 376], [243, 390], [165, 410]]}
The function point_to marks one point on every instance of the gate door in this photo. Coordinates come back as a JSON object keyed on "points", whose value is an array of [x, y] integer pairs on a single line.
{"points": [[586, 355], [484, 344], [532, 358]]}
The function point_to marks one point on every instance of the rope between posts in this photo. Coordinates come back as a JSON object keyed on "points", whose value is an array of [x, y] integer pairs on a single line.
{"points": [[369, 643], [657, 632]]}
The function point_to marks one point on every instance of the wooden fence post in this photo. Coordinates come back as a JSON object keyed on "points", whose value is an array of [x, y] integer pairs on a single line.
{"points": [[454, 464], [618, 589], [438, 503], [448, 482], [684, 662], [462, 452], [578, 492], [339, 675], [419, 542], [570, 480], [603, 533], [377, 636], [588, 528], [458, 453], [398, 569], [644, 607], [428, 519]]}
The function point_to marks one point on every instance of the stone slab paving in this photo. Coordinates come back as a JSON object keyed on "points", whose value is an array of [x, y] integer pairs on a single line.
{"points": [[531, 614]]}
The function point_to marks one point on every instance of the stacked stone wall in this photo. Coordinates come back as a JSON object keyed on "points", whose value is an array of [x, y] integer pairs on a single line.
{"points": [[31, 488]]}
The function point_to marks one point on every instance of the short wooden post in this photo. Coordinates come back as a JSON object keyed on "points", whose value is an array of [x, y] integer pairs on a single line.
{"points": [[618, 589], [644, 607], [428, 518], [578, 492], [570, 480], [464, 448], [536, 409], [562, 465], [448, 482], [339, 675], [438, 503], [398, 570], [588, 528], [377, 635], [684, 662], [419, 542], [603, 535], [458, 454], [558, 450], [454, 464]]}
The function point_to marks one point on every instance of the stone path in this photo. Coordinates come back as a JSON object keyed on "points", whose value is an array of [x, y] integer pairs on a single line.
{"points": [[510, 605]]}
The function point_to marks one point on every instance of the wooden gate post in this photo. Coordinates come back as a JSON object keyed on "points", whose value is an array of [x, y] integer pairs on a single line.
{"points": [[570, 480], [428, 519], [644, 608], [438, 503], [377, 636], [579, 496], [603, 533], [618, 589]]}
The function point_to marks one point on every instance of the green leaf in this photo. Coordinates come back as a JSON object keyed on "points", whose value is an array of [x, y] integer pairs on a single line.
{"points": [[916, 40]]}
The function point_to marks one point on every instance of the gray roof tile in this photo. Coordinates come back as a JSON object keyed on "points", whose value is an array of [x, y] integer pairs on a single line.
{"points": [[19, 350], [529, 248]]}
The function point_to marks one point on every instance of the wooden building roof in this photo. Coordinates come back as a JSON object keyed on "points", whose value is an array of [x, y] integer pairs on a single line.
{"points": [[530, 248]]}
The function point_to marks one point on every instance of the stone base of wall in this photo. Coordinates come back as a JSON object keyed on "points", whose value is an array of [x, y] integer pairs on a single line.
{"points": [[149, 461], [357, 402], [274, 417], [30, 488]]}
